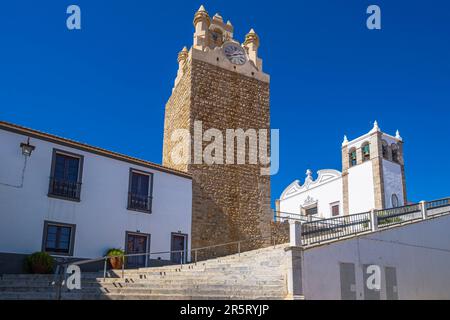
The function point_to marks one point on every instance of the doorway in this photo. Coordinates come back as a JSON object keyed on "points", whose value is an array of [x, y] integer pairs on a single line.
{"points": [[137, 243], [179, 244]]}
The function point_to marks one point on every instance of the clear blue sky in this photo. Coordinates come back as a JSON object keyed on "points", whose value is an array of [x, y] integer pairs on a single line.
{"points": [[107, 84]]}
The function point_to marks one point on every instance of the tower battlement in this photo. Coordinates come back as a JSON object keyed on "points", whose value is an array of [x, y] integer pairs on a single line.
{"points": [[213, 43]]}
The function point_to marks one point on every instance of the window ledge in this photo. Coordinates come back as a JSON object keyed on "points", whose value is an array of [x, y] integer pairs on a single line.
{"points": [[50, 195], [139, 210], [59, 254]]}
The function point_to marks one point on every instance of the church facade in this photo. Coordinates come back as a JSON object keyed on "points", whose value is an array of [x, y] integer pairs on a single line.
{"points": [[372, 177]]}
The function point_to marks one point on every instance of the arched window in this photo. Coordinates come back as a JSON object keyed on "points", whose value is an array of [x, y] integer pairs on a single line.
{"points": [[217, 37], [385, 148], [352, 157], [394, 148], [394, 201], [365, 151]]}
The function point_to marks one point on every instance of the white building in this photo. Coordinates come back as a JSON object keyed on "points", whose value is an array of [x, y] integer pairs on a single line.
{"points": [[75, 200], [372, 177]]}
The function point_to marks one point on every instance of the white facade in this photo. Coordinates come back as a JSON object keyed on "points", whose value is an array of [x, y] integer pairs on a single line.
{"points": [[100, 217], [414, 261], [324, 192], [360, 188], [392, 174], [371, 178]]}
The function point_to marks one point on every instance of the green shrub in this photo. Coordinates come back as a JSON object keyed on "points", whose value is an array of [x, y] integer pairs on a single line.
{"points": [[391, 220], [115, 252], [39, 263], [116, 259]]}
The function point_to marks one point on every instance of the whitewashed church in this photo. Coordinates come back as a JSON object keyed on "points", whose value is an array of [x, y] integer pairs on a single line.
{"points": [[372, 177]]}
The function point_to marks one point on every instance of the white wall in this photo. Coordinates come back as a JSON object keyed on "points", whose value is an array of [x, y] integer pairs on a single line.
{"points": [[325, 190], [360, 188], [101, 217], [392, 176], [325, 194], [389, 139], [420, 252], [358, 142]]}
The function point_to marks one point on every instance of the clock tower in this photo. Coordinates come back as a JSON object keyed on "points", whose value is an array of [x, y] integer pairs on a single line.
{"points": [[220, 85]]}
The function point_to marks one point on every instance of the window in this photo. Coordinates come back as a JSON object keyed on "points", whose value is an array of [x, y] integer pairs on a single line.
{"points": [[394, 201], [65, 177], [311, 211], [352, 157], [385, 148], [217, 37], [58, 238], [140, 191], [366, 152], [394, 149], [335, 209]]}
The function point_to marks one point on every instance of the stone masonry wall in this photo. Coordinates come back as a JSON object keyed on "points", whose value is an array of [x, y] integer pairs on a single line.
{"points": [[378, 183], [230, 202], [279, 232], [345, 166], [177, 116]]}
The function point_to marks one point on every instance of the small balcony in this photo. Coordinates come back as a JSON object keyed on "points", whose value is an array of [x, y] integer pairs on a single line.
{"points": [[139, 202], [64, 189]]}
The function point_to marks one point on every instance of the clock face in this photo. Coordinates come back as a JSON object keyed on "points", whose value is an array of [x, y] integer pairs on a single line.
{"points": [[235, 54]]}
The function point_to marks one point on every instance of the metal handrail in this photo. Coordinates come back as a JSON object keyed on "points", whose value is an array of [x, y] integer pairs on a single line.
{"points": [[305, 217], [289, 218], [182, 252], [438, 203], [330, 223], [403, 209], [239, 242]]}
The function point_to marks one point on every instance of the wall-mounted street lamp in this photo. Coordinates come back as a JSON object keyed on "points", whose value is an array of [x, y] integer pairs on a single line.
{"points": [[27, 148]]}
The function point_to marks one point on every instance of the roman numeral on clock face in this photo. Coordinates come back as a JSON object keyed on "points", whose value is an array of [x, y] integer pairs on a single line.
{"points": [[235, 54]]}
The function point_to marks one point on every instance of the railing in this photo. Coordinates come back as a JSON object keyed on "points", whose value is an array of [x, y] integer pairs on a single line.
{"points": [[286, 216], [64, 188], [388, 217], [438, 203], [139, 202], [186, 256], [333, 228], [313, 232]]}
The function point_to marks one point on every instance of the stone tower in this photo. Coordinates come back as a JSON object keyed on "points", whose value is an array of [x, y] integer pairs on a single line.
{"points": [[373, 172], [220, 84]]}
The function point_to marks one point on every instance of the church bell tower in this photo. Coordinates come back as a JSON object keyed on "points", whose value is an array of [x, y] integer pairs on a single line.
{"points": [[220, 85], [373, 172]]}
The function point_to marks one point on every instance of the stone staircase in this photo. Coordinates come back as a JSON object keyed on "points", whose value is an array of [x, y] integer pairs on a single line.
{"points": [[257, 274]]}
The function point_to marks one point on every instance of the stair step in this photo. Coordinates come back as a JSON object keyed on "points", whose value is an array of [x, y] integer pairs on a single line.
{"points": [[80, 296], [149, 287], [256, 274]]}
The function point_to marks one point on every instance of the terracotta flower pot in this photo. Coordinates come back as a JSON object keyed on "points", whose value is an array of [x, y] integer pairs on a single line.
{"points": [[39, 269], [116, 262]]}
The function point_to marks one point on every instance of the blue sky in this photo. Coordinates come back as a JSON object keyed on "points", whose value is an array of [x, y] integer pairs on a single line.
{"points": [[107, 84]]}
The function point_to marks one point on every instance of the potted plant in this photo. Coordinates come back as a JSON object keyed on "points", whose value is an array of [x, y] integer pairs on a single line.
{"points": [[115, 257], [39, 263]]}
